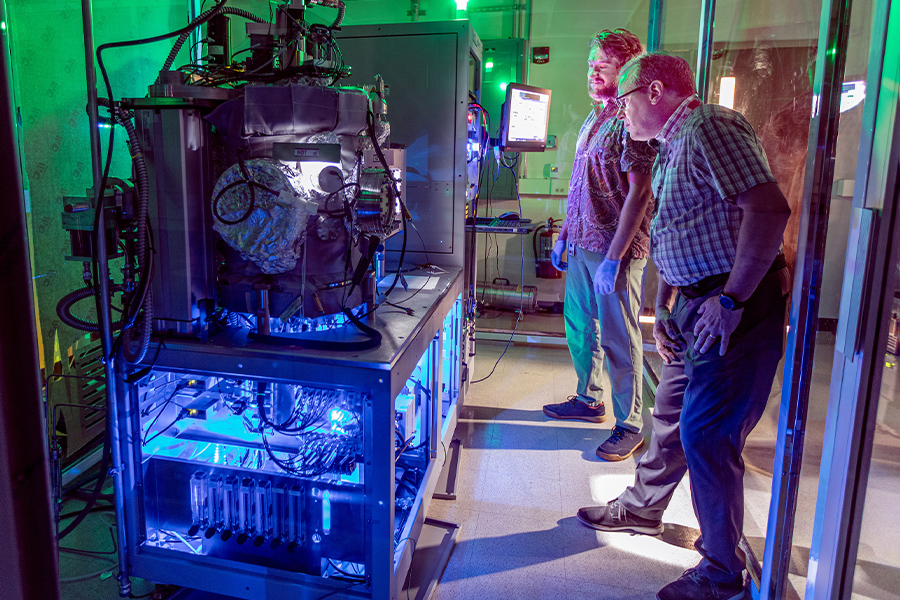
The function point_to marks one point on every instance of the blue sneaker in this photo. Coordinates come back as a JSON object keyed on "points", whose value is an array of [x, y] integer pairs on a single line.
{"points": [[693, 585], [621, 444], [573, 408]]}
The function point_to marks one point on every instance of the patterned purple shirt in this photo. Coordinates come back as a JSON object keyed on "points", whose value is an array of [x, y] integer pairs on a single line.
{"points": [[604, 154]]}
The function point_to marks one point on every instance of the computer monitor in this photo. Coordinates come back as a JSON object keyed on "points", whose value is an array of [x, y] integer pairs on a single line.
{"points": [[525, 117]]}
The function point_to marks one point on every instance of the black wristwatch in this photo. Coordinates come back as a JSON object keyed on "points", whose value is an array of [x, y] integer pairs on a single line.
{"points": [[730, 303]]}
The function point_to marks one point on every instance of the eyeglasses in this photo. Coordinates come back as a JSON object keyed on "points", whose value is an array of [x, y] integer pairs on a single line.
{"points": [[619, 100]]}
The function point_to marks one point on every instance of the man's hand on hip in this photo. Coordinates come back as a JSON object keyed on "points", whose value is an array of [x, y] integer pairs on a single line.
{"points": [[666, 335], [715, 322], [605, 276]]}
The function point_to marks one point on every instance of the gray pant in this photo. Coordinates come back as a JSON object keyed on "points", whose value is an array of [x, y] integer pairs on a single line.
{"points": [[605, 328], [706, 406]]}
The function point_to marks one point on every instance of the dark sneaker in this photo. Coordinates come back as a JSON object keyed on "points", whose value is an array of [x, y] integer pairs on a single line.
{"points": [[693, 585], [615, 517], [573, 408], [620, 445]]}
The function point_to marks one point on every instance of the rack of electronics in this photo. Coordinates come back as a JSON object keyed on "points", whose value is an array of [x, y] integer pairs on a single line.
{"points": [[523, 124], [280, 413]]}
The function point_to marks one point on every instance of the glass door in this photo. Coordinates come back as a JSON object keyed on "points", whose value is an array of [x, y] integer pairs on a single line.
{"points": [[819, 183], [802, 73], [876, 572], [854, 549]]}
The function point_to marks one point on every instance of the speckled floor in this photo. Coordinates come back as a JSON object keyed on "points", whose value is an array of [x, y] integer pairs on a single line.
{"points": [[523, 476]]}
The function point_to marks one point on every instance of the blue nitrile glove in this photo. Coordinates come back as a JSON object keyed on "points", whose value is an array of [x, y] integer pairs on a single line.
{"points": [[556, 255], [605, 276]]}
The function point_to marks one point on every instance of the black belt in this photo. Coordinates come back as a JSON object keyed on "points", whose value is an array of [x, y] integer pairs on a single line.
{"points": [[707, 284]]}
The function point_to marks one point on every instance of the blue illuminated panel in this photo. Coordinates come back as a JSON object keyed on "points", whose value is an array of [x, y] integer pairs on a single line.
{"points": [[260, 472]]}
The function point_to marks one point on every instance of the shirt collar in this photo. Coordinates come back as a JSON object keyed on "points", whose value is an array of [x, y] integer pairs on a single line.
{"points": [[677, 119]]}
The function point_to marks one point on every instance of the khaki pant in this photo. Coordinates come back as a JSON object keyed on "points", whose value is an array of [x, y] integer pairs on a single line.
{"points": [[603, 330]]}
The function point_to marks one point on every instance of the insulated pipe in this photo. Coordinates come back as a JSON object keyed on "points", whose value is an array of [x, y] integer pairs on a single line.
{"points": [[103, 310]]}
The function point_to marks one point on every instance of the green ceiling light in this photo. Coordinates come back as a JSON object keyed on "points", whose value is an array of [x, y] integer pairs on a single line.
{"points": [[3, 25], [489, 66], [461, 4], [503, 85]]}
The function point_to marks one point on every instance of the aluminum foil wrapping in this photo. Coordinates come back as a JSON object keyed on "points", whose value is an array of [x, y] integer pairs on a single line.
{"points": [[271, 233], [382, 133]]}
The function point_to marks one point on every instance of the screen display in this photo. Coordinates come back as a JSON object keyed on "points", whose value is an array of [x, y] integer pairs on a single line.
{"points": [[526, 118]]}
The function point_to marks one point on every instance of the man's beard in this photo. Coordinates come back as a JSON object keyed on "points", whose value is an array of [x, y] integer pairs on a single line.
{"points": [[603, 93]]}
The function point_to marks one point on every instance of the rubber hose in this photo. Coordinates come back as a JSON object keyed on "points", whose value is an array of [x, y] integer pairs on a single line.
{"points": [[64, 311], [145, 329], [339, 5], [123, 117], [146, 305]]}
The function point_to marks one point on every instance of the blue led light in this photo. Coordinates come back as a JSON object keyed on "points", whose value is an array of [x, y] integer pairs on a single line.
{"points": [[326, 512], [339, 419]]}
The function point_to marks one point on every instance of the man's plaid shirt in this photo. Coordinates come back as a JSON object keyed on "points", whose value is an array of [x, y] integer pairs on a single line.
{"points": [[708, 155]]}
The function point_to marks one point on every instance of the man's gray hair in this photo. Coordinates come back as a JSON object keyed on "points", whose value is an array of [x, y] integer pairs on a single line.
{"points": [[673, 71]]}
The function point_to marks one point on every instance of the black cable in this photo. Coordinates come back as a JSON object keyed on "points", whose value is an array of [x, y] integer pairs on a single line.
{"points": [[409, 573], [416, 229], [341, 590], [353, 576], [75, 513], [519, 316], [250, 208], [98, 488], [177, 389], [370, 126], [137, 375], [399, 303], [343, 211], [81, 552], [409, 487], [200, 20], [164, 429]]}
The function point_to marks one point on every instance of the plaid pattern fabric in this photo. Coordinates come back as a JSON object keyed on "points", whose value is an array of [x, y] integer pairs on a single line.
{"points": [[597, 191], [708, 155]]}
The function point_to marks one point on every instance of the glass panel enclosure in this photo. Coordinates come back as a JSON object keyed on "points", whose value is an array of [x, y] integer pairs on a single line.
{"points": [[680, 31], [762, 66], [877, 573]]}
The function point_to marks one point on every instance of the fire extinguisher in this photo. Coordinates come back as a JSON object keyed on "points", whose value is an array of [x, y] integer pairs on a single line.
{"points": [[543, 247]]}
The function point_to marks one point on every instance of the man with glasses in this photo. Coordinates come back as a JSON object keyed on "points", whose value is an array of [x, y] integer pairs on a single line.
{"points": [[606, 234], [716, 239]]}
